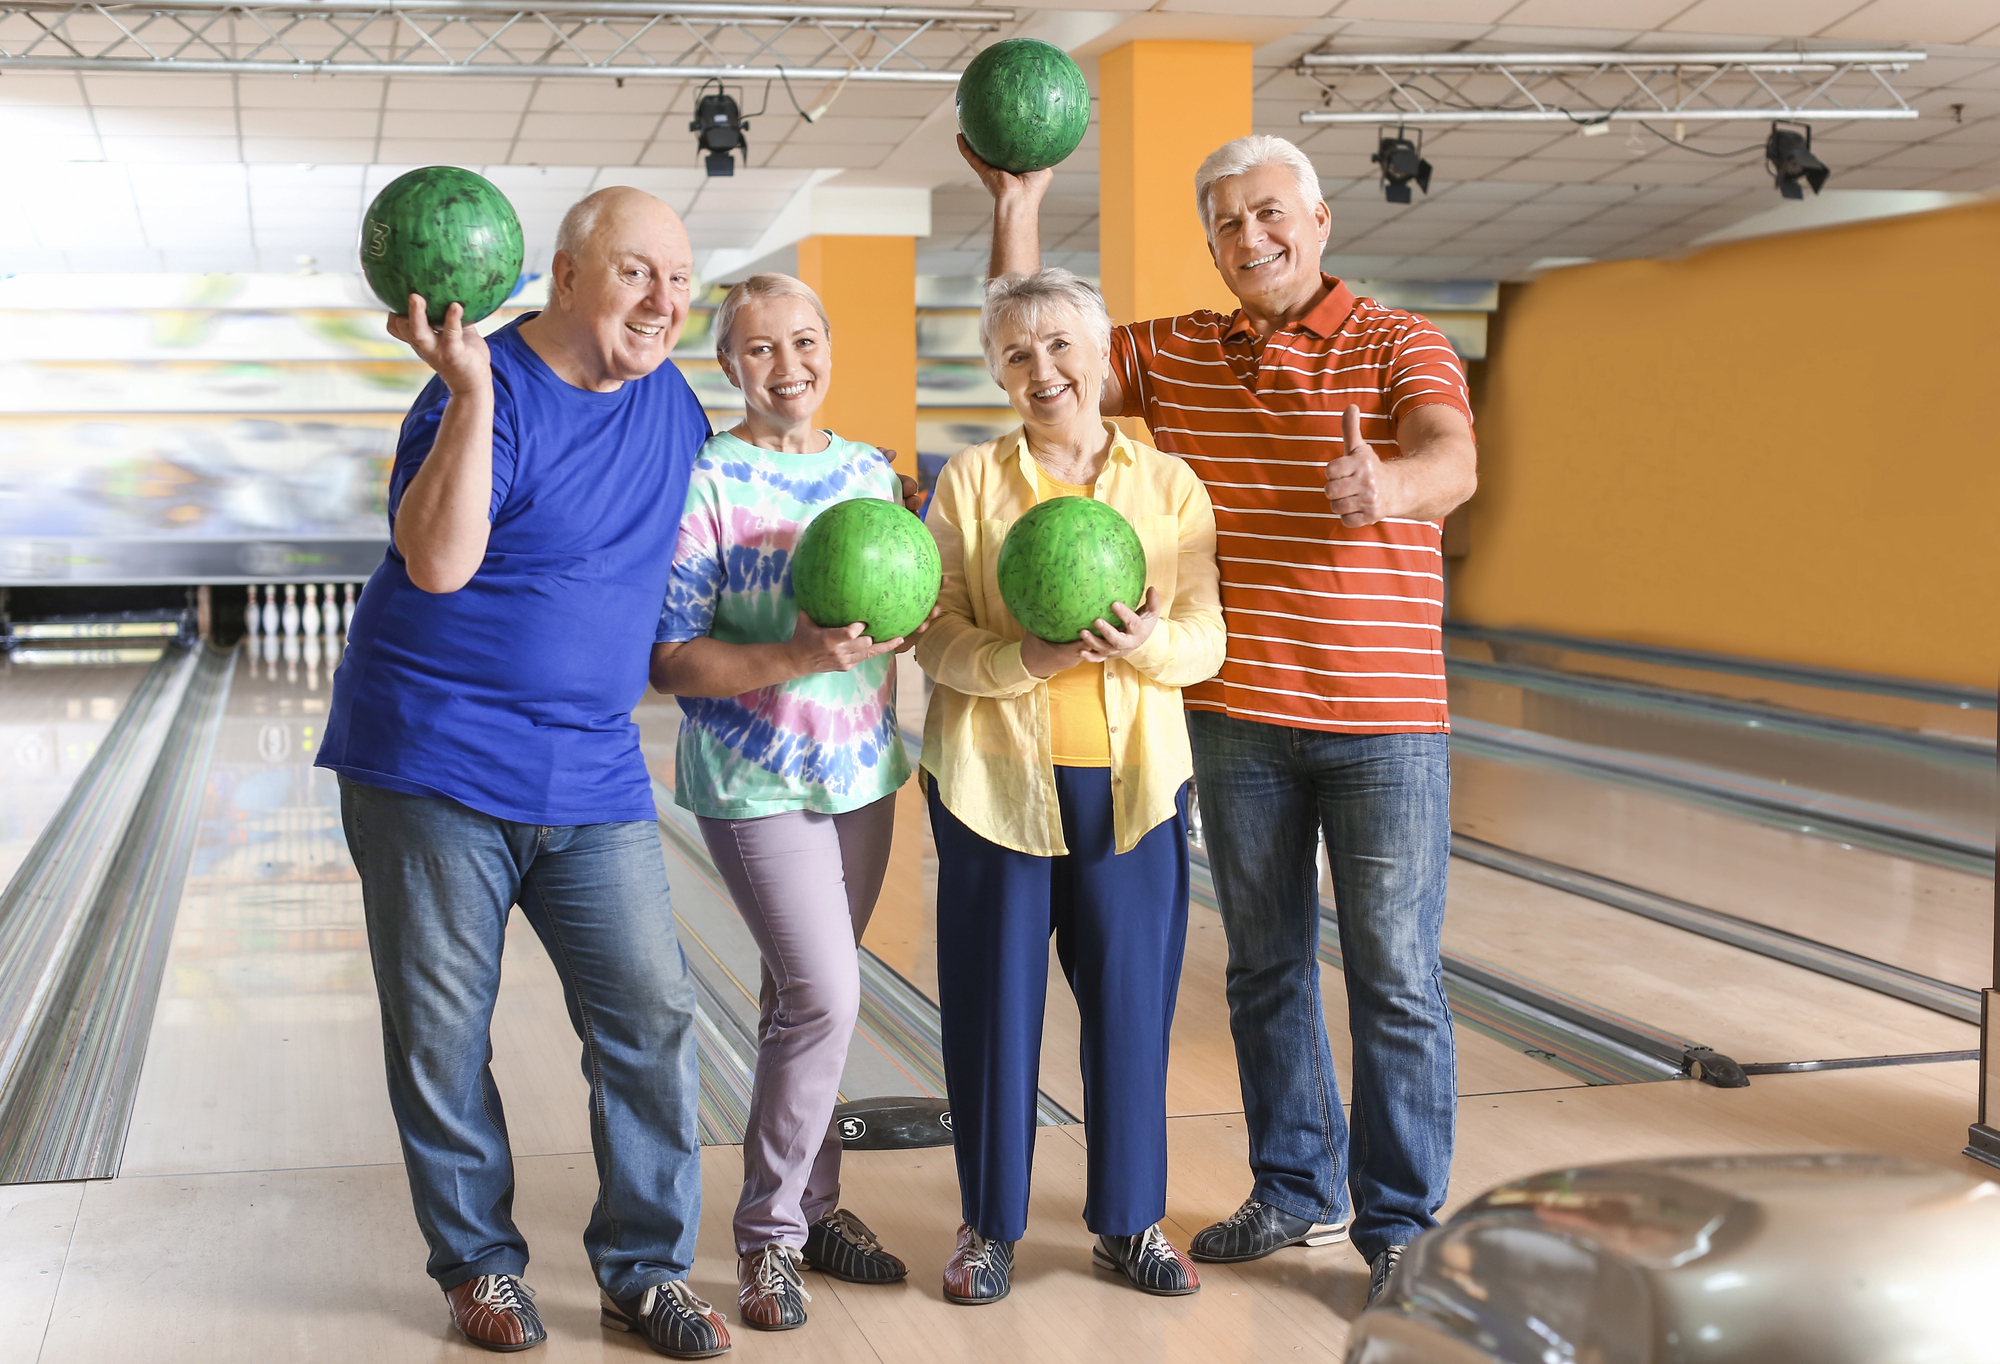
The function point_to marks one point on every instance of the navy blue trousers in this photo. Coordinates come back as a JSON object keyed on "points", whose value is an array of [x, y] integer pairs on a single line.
{"points": [[1120, 927]]}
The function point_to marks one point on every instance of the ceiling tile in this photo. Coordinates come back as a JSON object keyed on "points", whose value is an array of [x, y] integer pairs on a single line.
{"points": [[309, 92], [1900, 22], [336, 124], [461, 94], [1786, 19], [161, 91]]}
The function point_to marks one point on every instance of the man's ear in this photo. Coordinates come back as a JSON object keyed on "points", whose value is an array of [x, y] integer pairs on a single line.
{"points": [[562, 280]]}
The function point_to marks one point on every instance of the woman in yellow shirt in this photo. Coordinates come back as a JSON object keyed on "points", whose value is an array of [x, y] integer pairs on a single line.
{"points": [[1057, 777]]}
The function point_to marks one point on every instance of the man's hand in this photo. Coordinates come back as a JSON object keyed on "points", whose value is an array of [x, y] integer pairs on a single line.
{"points": [[453, 349], [1359, 486], [1108, 642], [834, 649], [913, 496]]}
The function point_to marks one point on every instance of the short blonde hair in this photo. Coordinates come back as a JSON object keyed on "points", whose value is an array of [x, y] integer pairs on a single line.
{"points": [[1246, 154], [769, 285], [1029, 299]]}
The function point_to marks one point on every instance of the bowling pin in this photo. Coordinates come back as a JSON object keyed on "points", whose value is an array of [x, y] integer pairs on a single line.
{"points": [[270, 652], [347, 610], [330, 616], [270, 612], [290, 615], [309, 612], [312, 652]]}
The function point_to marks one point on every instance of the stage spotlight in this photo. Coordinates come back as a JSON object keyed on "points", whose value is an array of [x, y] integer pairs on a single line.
{"points": [[718, 126], [1788, 155], [1401, 162]]}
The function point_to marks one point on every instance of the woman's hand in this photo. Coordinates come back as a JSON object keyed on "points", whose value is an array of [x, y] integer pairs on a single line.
{"points": [[1108, 642], [1043, 659], [833, 649]]}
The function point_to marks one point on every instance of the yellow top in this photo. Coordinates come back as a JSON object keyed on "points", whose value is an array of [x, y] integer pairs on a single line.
{"points": [[1078, 733], [987, 740]]}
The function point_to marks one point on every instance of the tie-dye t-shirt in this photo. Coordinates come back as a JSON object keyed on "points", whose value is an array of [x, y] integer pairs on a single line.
{"points": [[825, 742]]}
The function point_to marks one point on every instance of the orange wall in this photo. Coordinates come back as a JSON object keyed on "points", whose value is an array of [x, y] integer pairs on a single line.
{"points": [[1162, 107], [1782, 447], [869, 286]]}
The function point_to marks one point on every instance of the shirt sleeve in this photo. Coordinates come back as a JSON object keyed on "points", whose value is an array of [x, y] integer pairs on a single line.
{"points": [[695, 583], [1130, 357], [956, 650], [1423, 371], [419, 434]]}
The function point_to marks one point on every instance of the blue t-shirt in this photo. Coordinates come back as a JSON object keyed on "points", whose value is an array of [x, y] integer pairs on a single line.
{"points": [[513, 695]]}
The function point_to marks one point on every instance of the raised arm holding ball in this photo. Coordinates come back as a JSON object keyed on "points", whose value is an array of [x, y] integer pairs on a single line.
{"points": [[1334, 434]]}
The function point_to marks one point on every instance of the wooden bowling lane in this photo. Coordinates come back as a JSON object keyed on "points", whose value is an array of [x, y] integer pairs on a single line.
{"points": [[1911, 914], [52, 720], [1747, 1006]]}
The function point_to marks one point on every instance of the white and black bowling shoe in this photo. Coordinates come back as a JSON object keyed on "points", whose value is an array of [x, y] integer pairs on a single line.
{"points": [[1256, 1229]]}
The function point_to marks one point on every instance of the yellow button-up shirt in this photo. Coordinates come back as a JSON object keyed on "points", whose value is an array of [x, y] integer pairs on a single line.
{"points": [[986, 734]]}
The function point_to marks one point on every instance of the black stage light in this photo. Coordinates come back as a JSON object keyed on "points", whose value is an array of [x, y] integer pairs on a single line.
{"points": [[1401, 162], [718, 126], [1789, 157]]}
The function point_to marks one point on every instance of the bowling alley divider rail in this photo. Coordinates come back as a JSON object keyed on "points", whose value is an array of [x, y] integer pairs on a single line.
{"points": [[86, 922]]}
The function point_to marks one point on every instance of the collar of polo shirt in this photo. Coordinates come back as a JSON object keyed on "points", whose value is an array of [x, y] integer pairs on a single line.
{"points": [[1323, 321]]}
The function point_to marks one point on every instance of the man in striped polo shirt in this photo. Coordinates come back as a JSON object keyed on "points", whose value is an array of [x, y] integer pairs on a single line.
{"points": [[1334, 434]]}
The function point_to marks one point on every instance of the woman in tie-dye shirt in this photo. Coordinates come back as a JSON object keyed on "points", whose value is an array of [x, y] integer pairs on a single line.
{"points": [[790, 756]]}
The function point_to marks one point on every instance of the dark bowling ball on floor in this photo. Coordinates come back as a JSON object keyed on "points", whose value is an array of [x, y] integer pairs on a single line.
{"points": [[445, 233], [894, 1124], [1022, 104]]}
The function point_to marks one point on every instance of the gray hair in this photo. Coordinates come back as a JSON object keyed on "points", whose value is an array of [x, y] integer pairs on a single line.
{"points": [[769, 285], [1029, 299], [1246, 154]]}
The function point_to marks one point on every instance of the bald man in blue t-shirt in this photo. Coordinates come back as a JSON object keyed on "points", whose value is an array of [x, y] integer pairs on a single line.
{"points": [[482, 731]]}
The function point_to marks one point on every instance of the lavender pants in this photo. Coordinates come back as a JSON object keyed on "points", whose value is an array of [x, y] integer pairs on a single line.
{"points": [[805, 885]]}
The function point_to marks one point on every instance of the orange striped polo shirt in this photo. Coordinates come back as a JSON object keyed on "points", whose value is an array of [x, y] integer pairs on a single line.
{"points": [[1331, 627]]}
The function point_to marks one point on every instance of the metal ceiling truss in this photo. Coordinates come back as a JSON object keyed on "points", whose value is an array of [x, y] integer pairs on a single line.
{"points": [[596, 38], [1594, 88]]}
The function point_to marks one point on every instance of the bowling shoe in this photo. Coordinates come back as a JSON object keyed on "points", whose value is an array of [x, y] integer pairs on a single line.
{"points": [[1150, 1261], [672, 1319], [1379, 1271], [979, 1271], [770, 1294], [841, 1245], [1256, 1229], [496, 1311]]}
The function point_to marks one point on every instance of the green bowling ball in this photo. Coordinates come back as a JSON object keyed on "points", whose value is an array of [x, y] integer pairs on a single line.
{"points": [[1065, 562], [867, 560], [1022, 104], [447, 234]]}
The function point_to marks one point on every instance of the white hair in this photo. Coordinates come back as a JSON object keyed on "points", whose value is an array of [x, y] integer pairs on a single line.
{"points": [[769, 285], [1246, 154], [1029, 299]]}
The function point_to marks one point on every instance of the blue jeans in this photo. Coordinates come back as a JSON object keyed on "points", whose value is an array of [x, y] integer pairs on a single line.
{"points": [[1384, 804], [1120, 925], [437, 882]]}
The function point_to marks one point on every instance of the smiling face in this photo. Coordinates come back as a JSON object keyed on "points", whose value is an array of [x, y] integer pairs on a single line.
{"points": [[1266, 237], [1053, 370], [624, 296], [780, 356]]}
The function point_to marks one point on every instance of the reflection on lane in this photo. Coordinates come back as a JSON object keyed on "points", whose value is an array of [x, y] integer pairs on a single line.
{"points": [[52, 720]]}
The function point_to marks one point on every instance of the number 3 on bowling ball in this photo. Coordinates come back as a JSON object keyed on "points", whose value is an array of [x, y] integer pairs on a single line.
{"points": [[378, 244]]}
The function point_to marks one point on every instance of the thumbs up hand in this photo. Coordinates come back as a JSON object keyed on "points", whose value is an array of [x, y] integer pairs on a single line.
{"points": [[1354, 481]]}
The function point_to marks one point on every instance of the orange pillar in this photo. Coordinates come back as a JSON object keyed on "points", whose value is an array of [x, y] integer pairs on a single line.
{"points": [[1162, 107], [869, 286]]}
